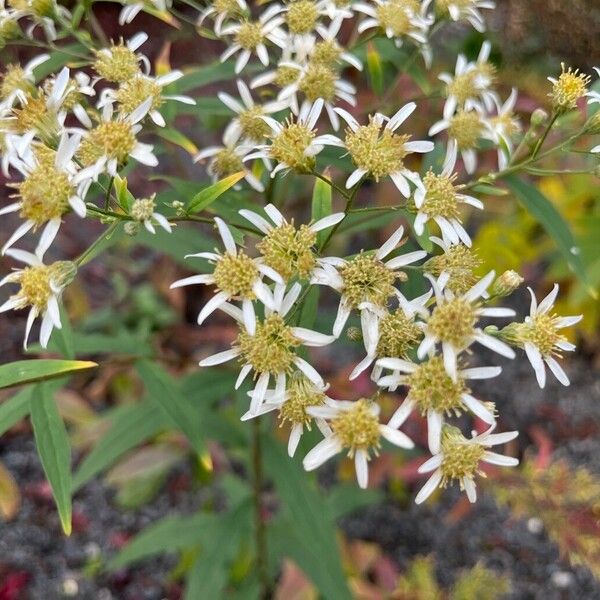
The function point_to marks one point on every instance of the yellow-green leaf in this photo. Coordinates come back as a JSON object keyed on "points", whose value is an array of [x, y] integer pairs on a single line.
{"points": [[10, 497], [27, 371], [207, 196], [375, 69], [321, 204]]}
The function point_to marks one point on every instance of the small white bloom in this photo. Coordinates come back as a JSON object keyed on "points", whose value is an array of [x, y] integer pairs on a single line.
{"points": [[502, 127], [460, 10], [220, 11], [143, 211], [132, 9]]}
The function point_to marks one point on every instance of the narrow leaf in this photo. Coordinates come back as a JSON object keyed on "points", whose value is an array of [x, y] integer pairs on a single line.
{"points": [[52, 443], [177, 138], [14, 409], [163, 392], [10, 497], [551, 220], [321, 205], [207, 196], [27, 371], [375, 69]]}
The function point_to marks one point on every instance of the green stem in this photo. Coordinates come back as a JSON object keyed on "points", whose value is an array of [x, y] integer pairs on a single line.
{"points": [[542, 139], [328, 181], [86, 256], [259, 523]]}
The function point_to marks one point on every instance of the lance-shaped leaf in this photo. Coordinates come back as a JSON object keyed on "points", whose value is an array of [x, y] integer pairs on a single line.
{"points": [[28, 371], [207, 196], [321, 205]]}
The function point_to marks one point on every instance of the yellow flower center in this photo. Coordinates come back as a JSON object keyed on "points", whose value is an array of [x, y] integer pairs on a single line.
{"points": [[290, 145], [460, 263], [236, 275], [302, 16], [453, 322], [33, 115], [114, 139], [398, 335], [252, 126], [541, 331], [300, 395], [463, 87], [14, 79], [35, 282], [357, 428], [440, 200], [226, 7], [289, 251], [226, 162], [318, 82], [133, 92], [367, 279], [118, 65], [380, 152], [327, 53], [466, 128], [285, 76], [142, 209], [460, 458], [570, 87], [396, 15], [249, 35]]}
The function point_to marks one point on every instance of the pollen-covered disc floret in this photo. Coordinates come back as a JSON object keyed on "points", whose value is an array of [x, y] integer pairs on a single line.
{"points": [[226, 162], [289, 146], [367, 279], [466, 127], [460, 263], [460, 458], [398, 334], [302, 16], [358, 427], [236, 275], [300, 395], [117, 64], [113, 139], [453, 322], [570, 86], [396, 16]]}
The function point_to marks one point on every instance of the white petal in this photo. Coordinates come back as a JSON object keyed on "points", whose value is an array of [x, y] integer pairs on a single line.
{"points": [[258, 393], [480, 287], [220, 357], [321, 453], [478, 408], [449, 353], [547, 303], [47, 237], [327, 222], [495, 344], [308, 370], [431, 464], [294, 439], [429, 487], [249, 316], [434, 431], [341, 318], [194, 279], [312, 338], [406, 259], [243, 374], [362, 468], [396, 437], [499, 459], [470, 488], [390, 243], [226, 236], [557, 370], [535, 358], [480, 372], [215, 302]]}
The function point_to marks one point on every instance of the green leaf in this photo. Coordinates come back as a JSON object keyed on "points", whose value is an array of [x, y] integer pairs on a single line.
{"points": [[177, 138], [170, 534], [551, 220], [344, 499], [63, 337], [321, 205], [52, 443], [131, 425], [375, 69], [490, 190], [124, 196], [27, 371], [207, 196], [183, 240], [14, 409], [163, 392], [208, 576], [311, 523]]}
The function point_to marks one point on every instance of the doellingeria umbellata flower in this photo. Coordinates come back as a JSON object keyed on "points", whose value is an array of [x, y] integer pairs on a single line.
{"points": [[17, 82], [541, 337], [460, 458], [570, 86], [439, 199], [236, 276], [365, 282], [221, 10], [467, 10], [52, 186], [40, 289], [131, 9], [143, 210], [453, 322], [433, 393], [285, 248], [378, 151], [120, 63], [355, 427], [269, 347], [299, 395]]}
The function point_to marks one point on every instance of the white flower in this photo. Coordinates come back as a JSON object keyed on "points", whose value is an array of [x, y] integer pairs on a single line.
{"points": [[329, 44], [141, 88], [269, 347], [453, 321], [502, 127], [26, 80], [119, 63], [432, 392], [355, 426], [365, 282], [229, 158], [391, 333], [470, 11], [540, 337], [42, 14], [593, 95], [60, 184], [292, 405], [130, 11], [469, 88], [288, 249], [459, 460], [380, 152], [236, 276], [248, 125], [294, 143], [222, 12], [41, 287], [143, 211], [439, 198], [250, 37]]}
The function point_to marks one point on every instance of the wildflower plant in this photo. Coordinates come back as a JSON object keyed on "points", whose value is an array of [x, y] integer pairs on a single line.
{"points": [[83, 125]]}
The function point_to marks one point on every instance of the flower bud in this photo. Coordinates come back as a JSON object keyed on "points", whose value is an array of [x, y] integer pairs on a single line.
{"points": [[538, 117], [506, 284], [592, 126], [354, 334], [131, 228]]}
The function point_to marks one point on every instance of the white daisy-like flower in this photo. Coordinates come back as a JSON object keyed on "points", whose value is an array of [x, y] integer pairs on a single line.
{"points": [[394, 333], [294, 143], [466, 10], [17, 81], [120, 62], [248, 125], [40, 289], [236, 276], [133, 92], [299, 395], [470, 86], [108, 145], [251, 36], [502, 127], [453, 322], [433, 393], [541, 338], [593, 95], [365, 282], [143, 210], [221, 10], [354, 427], [131, 9], [378, 151], [397, 19], [439, 199], [269, 347], [230, 158], [327, 49], [302, 17], [464, 128], [459, 459], [288, 249], [41, 15], [52, 186], [316, 80]]}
